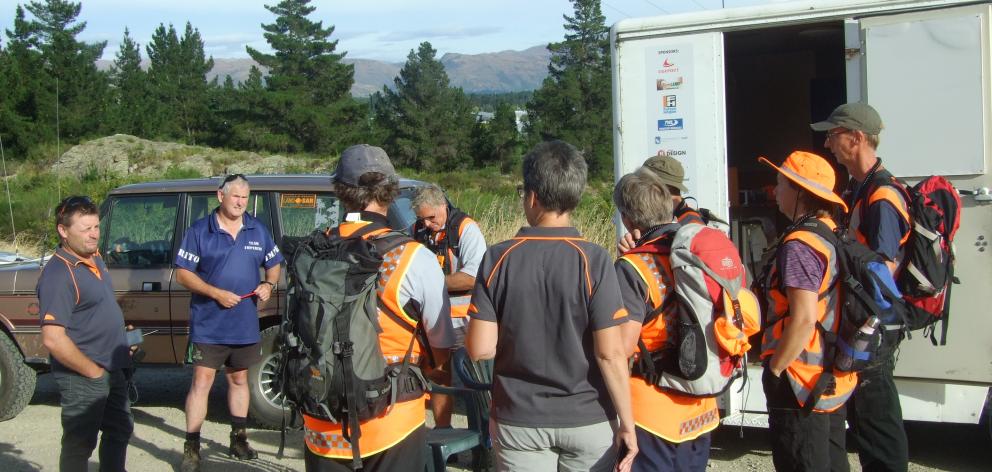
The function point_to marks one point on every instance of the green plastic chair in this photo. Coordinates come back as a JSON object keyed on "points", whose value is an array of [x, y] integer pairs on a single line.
{"points": [[476, 380]]}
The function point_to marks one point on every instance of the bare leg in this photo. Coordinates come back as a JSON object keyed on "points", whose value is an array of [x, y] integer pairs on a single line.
{"points": [[196, 400], [237, 392], [441, 405]]}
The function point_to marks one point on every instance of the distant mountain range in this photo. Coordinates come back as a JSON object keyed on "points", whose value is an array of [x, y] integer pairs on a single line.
{"points": [[496, 72]]}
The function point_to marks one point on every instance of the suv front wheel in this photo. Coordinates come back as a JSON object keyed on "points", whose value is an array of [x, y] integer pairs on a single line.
{"points": [[17, 379], [266, 405]]}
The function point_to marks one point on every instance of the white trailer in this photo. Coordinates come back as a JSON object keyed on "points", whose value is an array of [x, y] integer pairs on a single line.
{"points": [[717, 89]]}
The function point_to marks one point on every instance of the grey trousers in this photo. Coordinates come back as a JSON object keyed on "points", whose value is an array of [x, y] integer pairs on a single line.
{"points": [[90, 406], [582, 448]]}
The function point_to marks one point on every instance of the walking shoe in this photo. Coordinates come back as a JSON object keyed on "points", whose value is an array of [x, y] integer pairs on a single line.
{"points": [[191, 457], [239, 446]]}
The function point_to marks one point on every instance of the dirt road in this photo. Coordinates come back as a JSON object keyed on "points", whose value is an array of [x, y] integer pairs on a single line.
{"points": [[31, 441]]}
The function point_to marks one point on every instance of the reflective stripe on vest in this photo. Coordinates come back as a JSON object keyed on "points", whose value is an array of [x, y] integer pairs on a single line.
{"points": [[675, 418], [805, 370], [324, 438], [886, 193], [658, 281]]}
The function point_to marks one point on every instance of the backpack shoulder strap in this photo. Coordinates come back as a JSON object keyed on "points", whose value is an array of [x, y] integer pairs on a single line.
{"points": [[453, 233]]}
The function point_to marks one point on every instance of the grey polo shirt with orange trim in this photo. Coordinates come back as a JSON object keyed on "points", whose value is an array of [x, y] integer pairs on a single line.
{"points": [[548, 289], [79, 296]]}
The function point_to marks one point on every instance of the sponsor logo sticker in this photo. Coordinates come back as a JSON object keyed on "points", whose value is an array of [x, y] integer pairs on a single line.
{"points": [[669, 103], [671, 124]]}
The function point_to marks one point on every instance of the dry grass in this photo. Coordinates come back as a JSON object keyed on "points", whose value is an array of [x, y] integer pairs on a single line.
{"points": [[501, 218], [26, 245]]}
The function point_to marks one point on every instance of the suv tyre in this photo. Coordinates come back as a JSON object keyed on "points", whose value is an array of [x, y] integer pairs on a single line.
{"points": [[17, 379], [265, 405]]}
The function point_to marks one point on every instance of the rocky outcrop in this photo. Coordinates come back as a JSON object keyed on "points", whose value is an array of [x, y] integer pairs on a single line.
{"points": [[125, 155]]}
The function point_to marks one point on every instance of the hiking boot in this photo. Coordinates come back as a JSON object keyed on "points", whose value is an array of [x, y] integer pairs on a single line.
{"points": [[191, 457], [239, 446]]}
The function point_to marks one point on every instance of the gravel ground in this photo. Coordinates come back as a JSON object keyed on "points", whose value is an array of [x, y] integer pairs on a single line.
{"points": [[30, 441]]}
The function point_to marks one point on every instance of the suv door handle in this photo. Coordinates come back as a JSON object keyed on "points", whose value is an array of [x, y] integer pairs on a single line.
{"points": [[151, 286]]}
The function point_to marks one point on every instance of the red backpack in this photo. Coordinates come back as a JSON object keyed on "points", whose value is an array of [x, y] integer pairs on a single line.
{"points": [[927, 270]]}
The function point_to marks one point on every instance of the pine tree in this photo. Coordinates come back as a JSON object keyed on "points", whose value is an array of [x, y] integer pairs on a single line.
{"points": [[573, 103], [499, 142], [130, 106], [308, 87], [25, 124], [429, 122], [68, 66], [177, 74]]}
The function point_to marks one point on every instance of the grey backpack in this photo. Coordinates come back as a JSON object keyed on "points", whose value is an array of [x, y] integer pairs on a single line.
{"points": [[332, 367]]}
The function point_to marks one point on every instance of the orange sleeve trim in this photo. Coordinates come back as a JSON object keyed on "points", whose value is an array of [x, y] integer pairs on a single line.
{"points": [[543, 238], [621, 313], [68, 266], [585, 263], [49, 317], [499, 262], [472, 308]]}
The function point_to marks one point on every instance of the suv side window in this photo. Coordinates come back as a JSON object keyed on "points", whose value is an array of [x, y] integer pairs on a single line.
{"points": [[140, 230], [303, 213]]}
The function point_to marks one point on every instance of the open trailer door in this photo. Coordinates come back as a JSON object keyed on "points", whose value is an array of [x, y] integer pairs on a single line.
{"points": [[668, 96], [927, 73]]}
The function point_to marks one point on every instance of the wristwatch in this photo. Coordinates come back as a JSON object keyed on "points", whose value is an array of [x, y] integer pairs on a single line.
{"points": [[270, 283]]}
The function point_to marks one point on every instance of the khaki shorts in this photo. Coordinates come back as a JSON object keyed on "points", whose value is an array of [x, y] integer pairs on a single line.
{"points": [[581, 448]]}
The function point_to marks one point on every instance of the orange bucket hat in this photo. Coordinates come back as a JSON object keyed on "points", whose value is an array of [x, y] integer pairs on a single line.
{"points": [[812, 173]]}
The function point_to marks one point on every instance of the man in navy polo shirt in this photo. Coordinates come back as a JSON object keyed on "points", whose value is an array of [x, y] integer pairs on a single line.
{"points": [[218, 261], [83, 328]]}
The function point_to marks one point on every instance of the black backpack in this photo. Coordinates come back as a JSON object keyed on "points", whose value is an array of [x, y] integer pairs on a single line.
{"points": [[331, 365], [867, 290]]}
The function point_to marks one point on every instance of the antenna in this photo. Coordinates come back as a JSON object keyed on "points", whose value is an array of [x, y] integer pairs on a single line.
{"points": [[10, 207], [58, 140]]}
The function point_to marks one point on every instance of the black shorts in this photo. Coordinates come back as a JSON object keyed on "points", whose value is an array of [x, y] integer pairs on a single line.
{"points": [[232, 356]]}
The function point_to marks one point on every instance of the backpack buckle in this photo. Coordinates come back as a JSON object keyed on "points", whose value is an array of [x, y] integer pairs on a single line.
{"points": [[344, 349]]}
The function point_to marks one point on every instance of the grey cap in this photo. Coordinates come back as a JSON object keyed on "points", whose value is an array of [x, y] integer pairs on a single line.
{"points": [[361, 159], [668, 169], [855, 116]]}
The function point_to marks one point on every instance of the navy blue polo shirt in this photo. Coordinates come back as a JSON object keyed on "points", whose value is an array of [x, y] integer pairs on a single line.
{"points": [[231, 264], [79, 296]]}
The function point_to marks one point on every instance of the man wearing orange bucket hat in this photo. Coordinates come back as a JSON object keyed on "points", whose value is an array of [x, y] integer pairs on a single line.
{"points": [[806, 423]]}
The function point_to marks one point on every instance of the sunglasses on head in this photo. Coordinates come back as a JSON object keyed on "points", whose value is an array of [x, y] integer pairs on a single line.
{"points": [[71, 203], [232, 178]]}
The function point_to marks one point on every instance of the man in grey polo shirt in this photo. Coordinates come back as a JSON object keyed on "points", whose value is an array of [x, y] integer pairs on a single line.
{"points": [[83, 328], [546, 305]]}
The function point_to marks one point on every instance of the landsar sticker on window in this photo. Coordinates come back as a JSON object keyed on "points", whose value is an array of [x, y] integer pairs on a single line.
{"points": [[298, 200]]}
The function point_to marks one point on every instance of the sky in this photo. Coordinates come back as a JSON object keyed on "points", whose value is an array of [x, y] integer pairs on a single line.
{"points": [[371, 29]]}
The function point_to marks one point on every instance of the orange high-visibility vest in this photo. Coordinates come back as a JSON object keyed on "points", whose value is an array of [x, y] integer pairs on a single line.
{"points": [[675, 418], [882, 192], [325, 438], [806, 369]]}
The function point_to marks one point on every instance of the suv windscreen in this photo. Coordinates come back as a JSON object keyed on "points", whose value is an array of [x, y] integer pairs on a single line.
{"points": [[303, 213], [139, 231]]}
